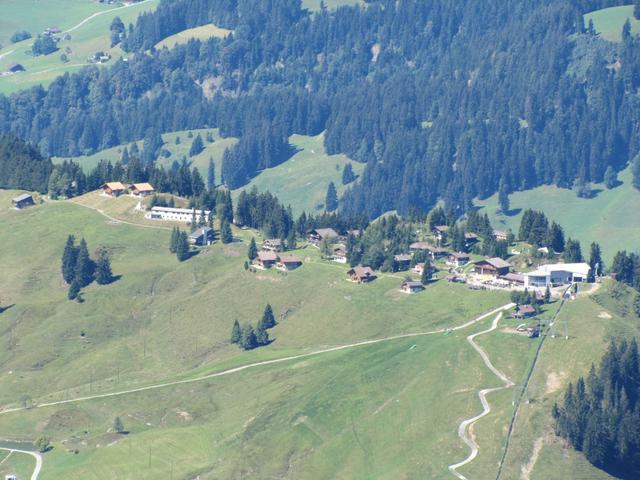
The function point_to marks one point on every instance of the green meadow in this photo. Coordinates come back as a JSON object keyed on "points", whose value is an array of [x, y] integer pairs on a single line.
{"points": [[86, 38], [612, 218], [332, 415], [199, 33], [608, 22]]}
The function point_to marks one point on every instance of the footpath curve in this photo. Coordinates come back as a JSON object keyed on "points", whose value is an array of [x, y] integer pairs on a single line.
{"points": [[259, 364], [463, 428], [36, 455]]}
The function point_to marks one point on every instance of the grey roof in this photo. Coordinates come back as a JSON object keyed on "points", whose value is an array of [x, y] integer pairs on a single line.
{"points": [[498, 262], [22, 197], [412, 284], [201, 231]]}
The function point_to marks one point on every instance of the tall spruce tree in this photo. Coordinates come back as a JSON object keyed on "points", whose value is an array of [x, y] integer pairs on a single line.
{"points": [[331, 199], [427, 272], [104, 275], [74, 290], [262, 336], [268, 320], [595, 262], [235, 332], [226, 235], [211, 175], [252, 252], [196, 146], [173, 244], [291, 240], [248, 338], [182, 246], [69, 257], [572, 251], [84, 265], [347, 174]]}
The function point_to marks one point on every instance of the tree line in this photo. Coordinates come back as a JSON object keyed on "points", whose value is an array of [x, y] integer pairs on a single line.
{"points": [[600, 414], [389, 93]]}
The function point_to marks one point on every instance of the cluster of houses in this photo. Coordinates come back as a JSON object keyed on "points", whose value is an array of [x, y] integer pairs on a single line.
{"points": [[270, 256], [115, 189]]}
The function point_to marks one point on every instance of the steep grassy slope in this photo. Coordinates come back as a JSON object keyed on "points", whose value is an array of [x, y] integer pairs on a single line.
{"points": [[302, 180], [608, 22], [325, 416], [86, 39], [612, 218]]}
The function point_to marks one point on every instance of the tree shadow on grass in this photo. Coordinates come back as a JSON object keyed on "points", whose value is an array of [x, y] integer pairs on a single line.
{"points": [[4, 309]]}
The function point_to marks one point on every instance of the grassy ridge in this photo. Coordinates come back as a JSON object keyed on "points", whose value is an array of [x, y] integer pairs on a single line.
{"points": [[612, 218], [608, 22], [200, 33]]}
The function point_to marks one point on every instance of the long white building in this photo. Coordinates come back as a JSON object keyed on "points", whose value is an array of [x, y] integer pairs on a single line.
{"points": [[557, 274], [169, 214]]}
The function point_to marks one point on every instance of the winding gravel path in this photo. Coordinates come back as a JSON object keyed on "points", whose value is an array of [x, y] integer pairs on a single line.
{"points": [[36, 455], [97, 14], [463, 429]]}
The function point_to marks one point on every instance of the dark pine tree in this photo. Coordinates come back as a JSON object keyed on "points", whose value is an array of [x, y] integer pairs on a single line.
{"points": [[331, 199], [84, 265], [74, 290], [248, 338], [252, 252], [211, 175], [197, 146], [104, 275], [427, 273], [347, 174], [226, 235], [268, 320], [262, 336], [173, 243], [182, 246], [235, 332], [69, 257]]}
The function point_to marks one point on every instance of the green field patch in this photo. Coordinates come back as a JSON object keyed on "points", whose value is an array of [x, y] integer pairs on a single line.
{"points": [[608, 22], [302, 180], [198, 33], [612, 218]]}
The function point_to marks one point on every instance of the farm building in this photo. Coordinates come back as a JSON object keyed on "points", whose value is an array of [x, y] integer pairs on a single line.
{"points": [[319, 234], [411, 287], [418, 268], [402, 262], [557, 274], [361, 275], [470, 239], [169, 214], [492, 267], [500, 235], [340, 255], [266, 259], [524, 311], [113, 189], [457, 259], [202, 236], [272, 244], [141, 189], [23, 201], [513, 279], [288, 262], [15, 68]]}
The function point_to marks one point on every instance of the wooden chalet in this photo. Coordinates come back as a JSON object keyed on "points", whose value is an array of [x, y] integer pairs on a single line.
{"points": [[361, 275], [524, 311], [492, 267], [513, 279], [265, 259], [411, 287], [15, 68], [500, 235], [113, 189], [457, 259], [434, 252], [402, 262], [339, 255], [288, 262], [418, 268], [439, 231], [470, 239], [319, 234], [23, 201], [273, 245], [141, 189]]}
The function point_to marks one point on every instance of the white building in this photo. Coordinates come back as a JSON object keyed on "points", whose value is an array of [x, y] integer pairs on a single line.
{"points": [[168, 214], [557, 274]]}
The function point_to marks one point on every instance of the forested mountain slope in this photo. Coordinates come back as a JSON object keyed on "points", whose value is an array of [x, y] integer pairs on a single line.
{"points": [[466, 98]]}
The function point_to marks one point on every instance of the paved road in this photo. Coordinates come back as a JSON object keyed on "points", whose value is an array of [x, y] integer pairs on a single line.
{"points": [[463, 429], [36, 455], [258, 364]]}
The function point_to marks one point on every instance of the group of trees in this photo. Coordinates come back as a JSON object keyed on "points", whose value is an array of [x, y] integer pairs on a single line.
{"points": [[247, 337], [179, 244], [43, 45], [600, 414], [22, 166], [79, 270], [508, 124], [626, 268]]}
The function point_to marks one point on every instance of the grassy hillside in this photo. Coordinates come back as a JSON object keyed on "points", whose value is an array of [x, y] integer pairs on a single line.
{"points": [[302, 180], [201, 33], [608, 22], [612, 218], [335, 415], [213, 150], [86, 38]]}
